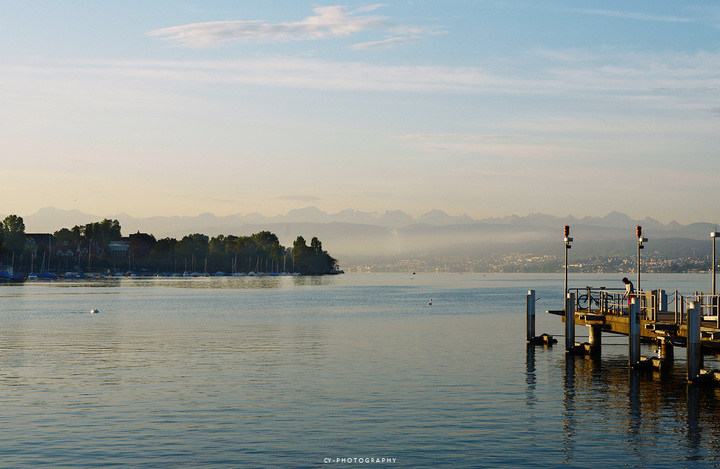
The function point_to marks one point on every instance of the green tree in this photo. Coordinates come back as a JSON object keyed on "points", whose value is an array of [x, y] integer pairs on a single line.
{"points": [[95, 239], [162, 255], [13, 235], [300, 252], [269, 251], [193, 249], [218, 244], [65, 235], [243, 249], [316, 245], [311, 259], [101, 233]]}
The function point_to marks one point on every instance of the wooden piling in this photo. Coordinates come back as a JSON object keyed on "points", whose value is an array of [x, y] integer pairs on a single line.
{"points": [[694, 350], [569, 322], [666, 350], [634, 342], [530, 315], [595, 338], [543, 339]]}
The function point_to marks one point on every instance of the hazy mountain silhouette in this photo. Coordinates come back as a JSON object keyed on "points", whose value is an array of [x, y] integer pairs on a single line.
{"points": [[356, 236]]}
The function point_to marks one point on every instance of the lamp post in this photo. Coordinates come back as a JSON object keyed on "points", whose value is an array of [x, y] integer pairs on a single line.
{"points": [[641, 240], [567, 246], [714, 300], [713, 235]]}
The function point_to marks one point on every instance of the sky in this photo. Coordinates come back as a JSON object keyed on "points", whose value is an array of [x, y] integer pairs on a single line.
{"points": [[485, 108]]}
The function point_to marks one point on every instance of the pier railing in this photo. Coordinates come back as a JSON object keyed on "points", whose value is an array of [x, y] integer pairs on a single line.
{"points": [[594, 300]]}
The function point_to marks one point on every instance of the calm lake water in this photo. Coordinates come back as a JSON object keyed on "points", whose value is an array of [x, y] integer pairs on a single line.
{"points": [[332, 372]]}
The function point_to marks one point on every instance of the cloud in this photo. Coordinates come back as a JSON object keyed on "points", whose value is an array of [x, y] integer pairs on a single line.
{"points": [[385, 43], [461, 137], [298, 198], [628, 15], [676, 81], [509, 146], [284, 72], [328, 22]]}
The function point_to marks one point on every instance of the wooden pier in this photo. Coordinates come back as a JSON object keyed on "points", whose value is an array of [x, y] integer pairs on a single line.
{"points": [[643, 318], [607, 311], [691, 321]]}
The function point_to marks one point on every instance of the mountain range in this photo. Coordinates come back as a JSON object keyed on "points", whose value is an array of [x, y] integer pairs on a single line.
{"points": [[358, 237]]}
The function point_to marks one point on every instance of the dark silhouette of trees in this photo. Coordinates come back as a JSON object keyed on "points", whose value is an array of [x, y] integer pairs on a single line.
{"points": [[193, 249], [12, 234], [162, 256], [312, 259], [87, 247]]}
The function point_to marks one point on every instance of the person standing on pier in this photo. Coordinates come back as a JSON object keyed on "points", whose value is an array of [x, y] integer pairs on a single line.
{"points": [[629, 290]]}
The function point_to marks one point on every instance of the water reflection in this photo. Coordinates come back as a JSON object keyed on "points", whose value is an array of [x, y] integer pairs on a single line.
{"points": [[244, 282], [569, 422], [210, 282], [530, 378], [693, 422], [634, 423], [659, 410]]}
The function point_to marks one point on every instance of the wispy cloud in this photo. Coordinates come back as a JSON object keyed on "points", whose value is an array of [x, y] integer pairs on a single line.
{"points": [[385, 43], [285, 72], [457, 137], [629, 15], [492, 146], [328, 22], [678, 80], [298, 197]]}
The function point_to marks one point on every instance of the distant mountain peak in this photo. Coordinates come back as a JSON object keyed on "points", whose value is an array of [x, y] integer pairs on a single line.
{"points": [[308, 209], [49, 219], [440, 217]]}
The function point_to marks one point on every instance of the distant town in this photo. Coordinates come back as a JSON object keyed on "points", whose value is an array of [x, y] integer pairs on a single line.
{"points": [[519, 263]]}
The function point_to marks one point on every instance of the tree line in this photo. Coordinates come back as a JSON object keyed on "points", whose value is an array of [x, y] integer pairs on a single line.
{"points": [[99, 246]]}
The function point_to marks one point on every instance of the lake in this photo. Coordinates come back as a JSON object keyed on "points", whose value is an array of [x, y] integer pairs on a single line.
{"points": [[349, 370]]}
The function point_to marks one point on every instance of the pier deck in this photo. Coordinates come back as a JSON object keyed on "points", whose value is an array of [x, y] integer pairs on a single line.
{"points": [[664, 327], [609, 311]]}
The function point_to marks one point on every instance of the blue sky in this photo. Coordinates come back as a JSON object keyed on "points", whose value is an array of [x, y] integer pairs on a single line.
{"points": [[488, 108]]}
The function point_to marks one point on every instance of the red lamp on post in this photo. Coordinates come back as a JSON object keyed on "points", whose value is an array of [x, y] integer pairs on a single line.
{"points": [[568, 240]]}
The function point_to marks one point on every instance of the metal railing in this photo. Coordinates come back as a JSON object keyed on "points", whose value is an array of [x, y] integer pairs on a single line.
{"points": [[708, 304], [594, 300]]}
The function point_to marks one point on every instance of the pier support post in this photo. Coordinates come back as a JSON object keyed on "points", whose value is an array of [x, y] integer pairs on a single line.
{"points": [[634, 352], [569, 322], [694, 351], [530, 315], [595, 338], [666, 351], [662, 301]]}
